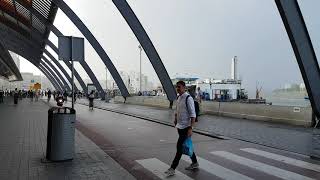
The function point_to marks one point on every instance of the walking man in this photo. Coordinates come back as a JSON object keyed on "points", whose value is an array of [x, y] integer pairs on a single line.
{"points": [[184, 121]]}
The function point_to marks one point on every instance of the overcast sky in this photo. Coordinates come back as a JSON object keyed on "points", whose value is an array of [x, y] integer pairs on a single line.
{"points": [[197, 38]]}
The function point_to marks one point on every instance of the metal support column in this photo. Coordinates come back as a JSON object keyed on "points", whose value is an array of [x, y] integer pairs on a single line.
{"points": [[302, 46], [303, 49], [148, 47], [95, 44], [59, 66], [50, 78], [57, 72], [86, 67], [54, 82], [93, 79], [53, 75], [76, 74]]}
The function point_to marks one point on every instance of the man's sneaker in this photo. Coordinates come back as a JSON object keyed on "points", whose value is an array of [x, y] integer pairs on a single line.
{"points": [[170, 172], [192, 166]]}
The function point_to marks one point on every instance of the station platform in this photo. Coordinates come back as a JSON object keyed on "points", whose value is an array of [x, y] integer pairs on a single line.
{"points": [[111, 145], [291, 138], [23, 133], [146, 148]]}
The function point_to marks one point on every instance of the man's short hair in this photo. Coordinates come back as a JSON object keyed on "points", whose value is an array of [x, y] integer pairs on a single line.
{"points": [[181, 83]]}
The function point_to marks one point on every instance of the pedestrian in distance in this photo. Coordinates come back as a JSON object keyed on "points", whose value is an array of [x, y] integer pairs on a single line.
{"points": [[37, 94], [31, 94], [49, 95], [91, 98], [54, 94], [20, 94], [65, 96], [15, 96], [1, 96], [184, 121], [199, 95]]}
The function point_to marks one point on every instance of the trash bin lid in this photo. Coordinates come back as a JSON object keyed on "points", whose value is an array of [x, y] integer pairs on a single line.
{"points": [[62, 110]]}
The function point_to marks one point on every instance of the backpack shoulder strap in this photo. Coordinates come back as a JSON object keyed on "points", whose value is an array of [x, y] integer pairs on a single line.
{"points": [[187, 103]]}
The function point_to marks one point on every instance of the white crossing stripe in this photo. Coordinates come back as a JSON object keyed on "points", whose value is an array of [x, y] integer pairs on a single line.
{"points": [[274, 171], [284, 159], [158, 168], [218, 170]]}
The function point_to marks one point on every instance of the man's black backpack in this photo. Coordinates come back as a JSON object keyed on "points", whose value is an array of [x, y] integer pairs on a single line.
{"points": [[196, 107]]}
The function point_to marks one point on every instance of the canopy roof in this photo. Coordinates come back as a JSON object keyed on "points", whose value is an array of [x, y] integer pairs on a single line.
{"points": [[25, 27]]}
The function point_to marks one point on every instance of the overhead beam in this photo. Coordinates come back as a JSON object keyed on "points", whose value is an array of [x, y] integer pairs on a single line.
{"points": [[302, 46], [53, 75], [21, 19], [94, 43], [68, 64], [60, 67], [86, 67], [29, 7], [58, 33], [66, 85], [143, 38], [59, 88], [26, 34], [50, 78], [8, 62]]}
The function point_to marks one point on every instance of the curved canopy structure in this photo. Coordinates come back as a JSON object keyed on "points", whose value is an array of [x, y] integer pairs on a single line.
{"points": [[8, 68], [25, 26], [21, 30]]}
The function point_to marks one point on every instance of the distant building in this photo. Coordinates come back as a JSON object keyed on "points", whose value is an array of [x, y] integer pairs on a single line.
{"points": [[132, 82], [234, 68], [287, 86], [302, 87], [227, 89], [29, 79], [213, 89]]}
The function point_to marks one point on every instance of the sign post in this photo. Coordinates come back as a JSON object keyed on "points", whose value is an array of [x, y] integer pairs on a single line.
{"points": [[71, 49]]}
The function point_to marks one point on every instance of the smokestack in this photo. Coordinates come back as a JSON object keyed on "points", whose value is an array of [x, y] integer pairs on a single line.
{"points": [[234, 68]]}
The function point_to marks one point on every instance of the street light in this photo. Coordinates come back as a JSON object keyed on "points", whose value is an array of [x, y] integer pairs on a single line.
{"points": [[140, 48], [107, 92]]}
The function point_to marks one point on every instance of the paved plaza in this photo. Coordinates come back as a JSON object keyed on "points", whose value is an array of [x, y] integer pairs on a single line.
{"points": [[287, 137], [113, 145], [23, 144]]}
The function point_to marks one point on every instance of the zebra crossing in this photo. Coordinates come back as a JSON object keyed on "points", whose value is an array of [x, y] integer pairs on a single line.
{"points": [[157, 167]]}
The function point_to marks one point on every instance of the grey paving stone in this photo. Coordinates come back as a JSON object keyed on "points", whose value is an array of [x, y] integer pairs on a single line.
{"points": [[287, 137], [23, 144]]}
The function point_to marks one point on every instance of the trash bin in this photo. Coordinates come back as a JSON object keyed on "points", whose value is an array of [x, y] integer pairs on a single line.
{"points": [[60, 137]]}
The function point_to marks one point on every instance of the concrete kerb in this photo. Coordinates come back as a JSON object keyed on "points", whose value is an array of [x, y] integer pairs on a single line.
{"points": [[198, 131], [201, 132], [299, 116]]}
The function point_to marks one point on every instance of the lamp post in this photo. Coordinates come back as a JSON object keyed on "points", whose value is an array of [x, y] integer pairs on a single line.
{"points": [[106, 79], [140, 48], [106, 94], [211, 88]]}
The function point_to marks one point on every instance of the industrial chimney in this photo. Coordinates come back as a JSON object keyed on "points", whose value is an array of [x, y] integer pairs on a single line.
{"points": [[234, 68]]}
